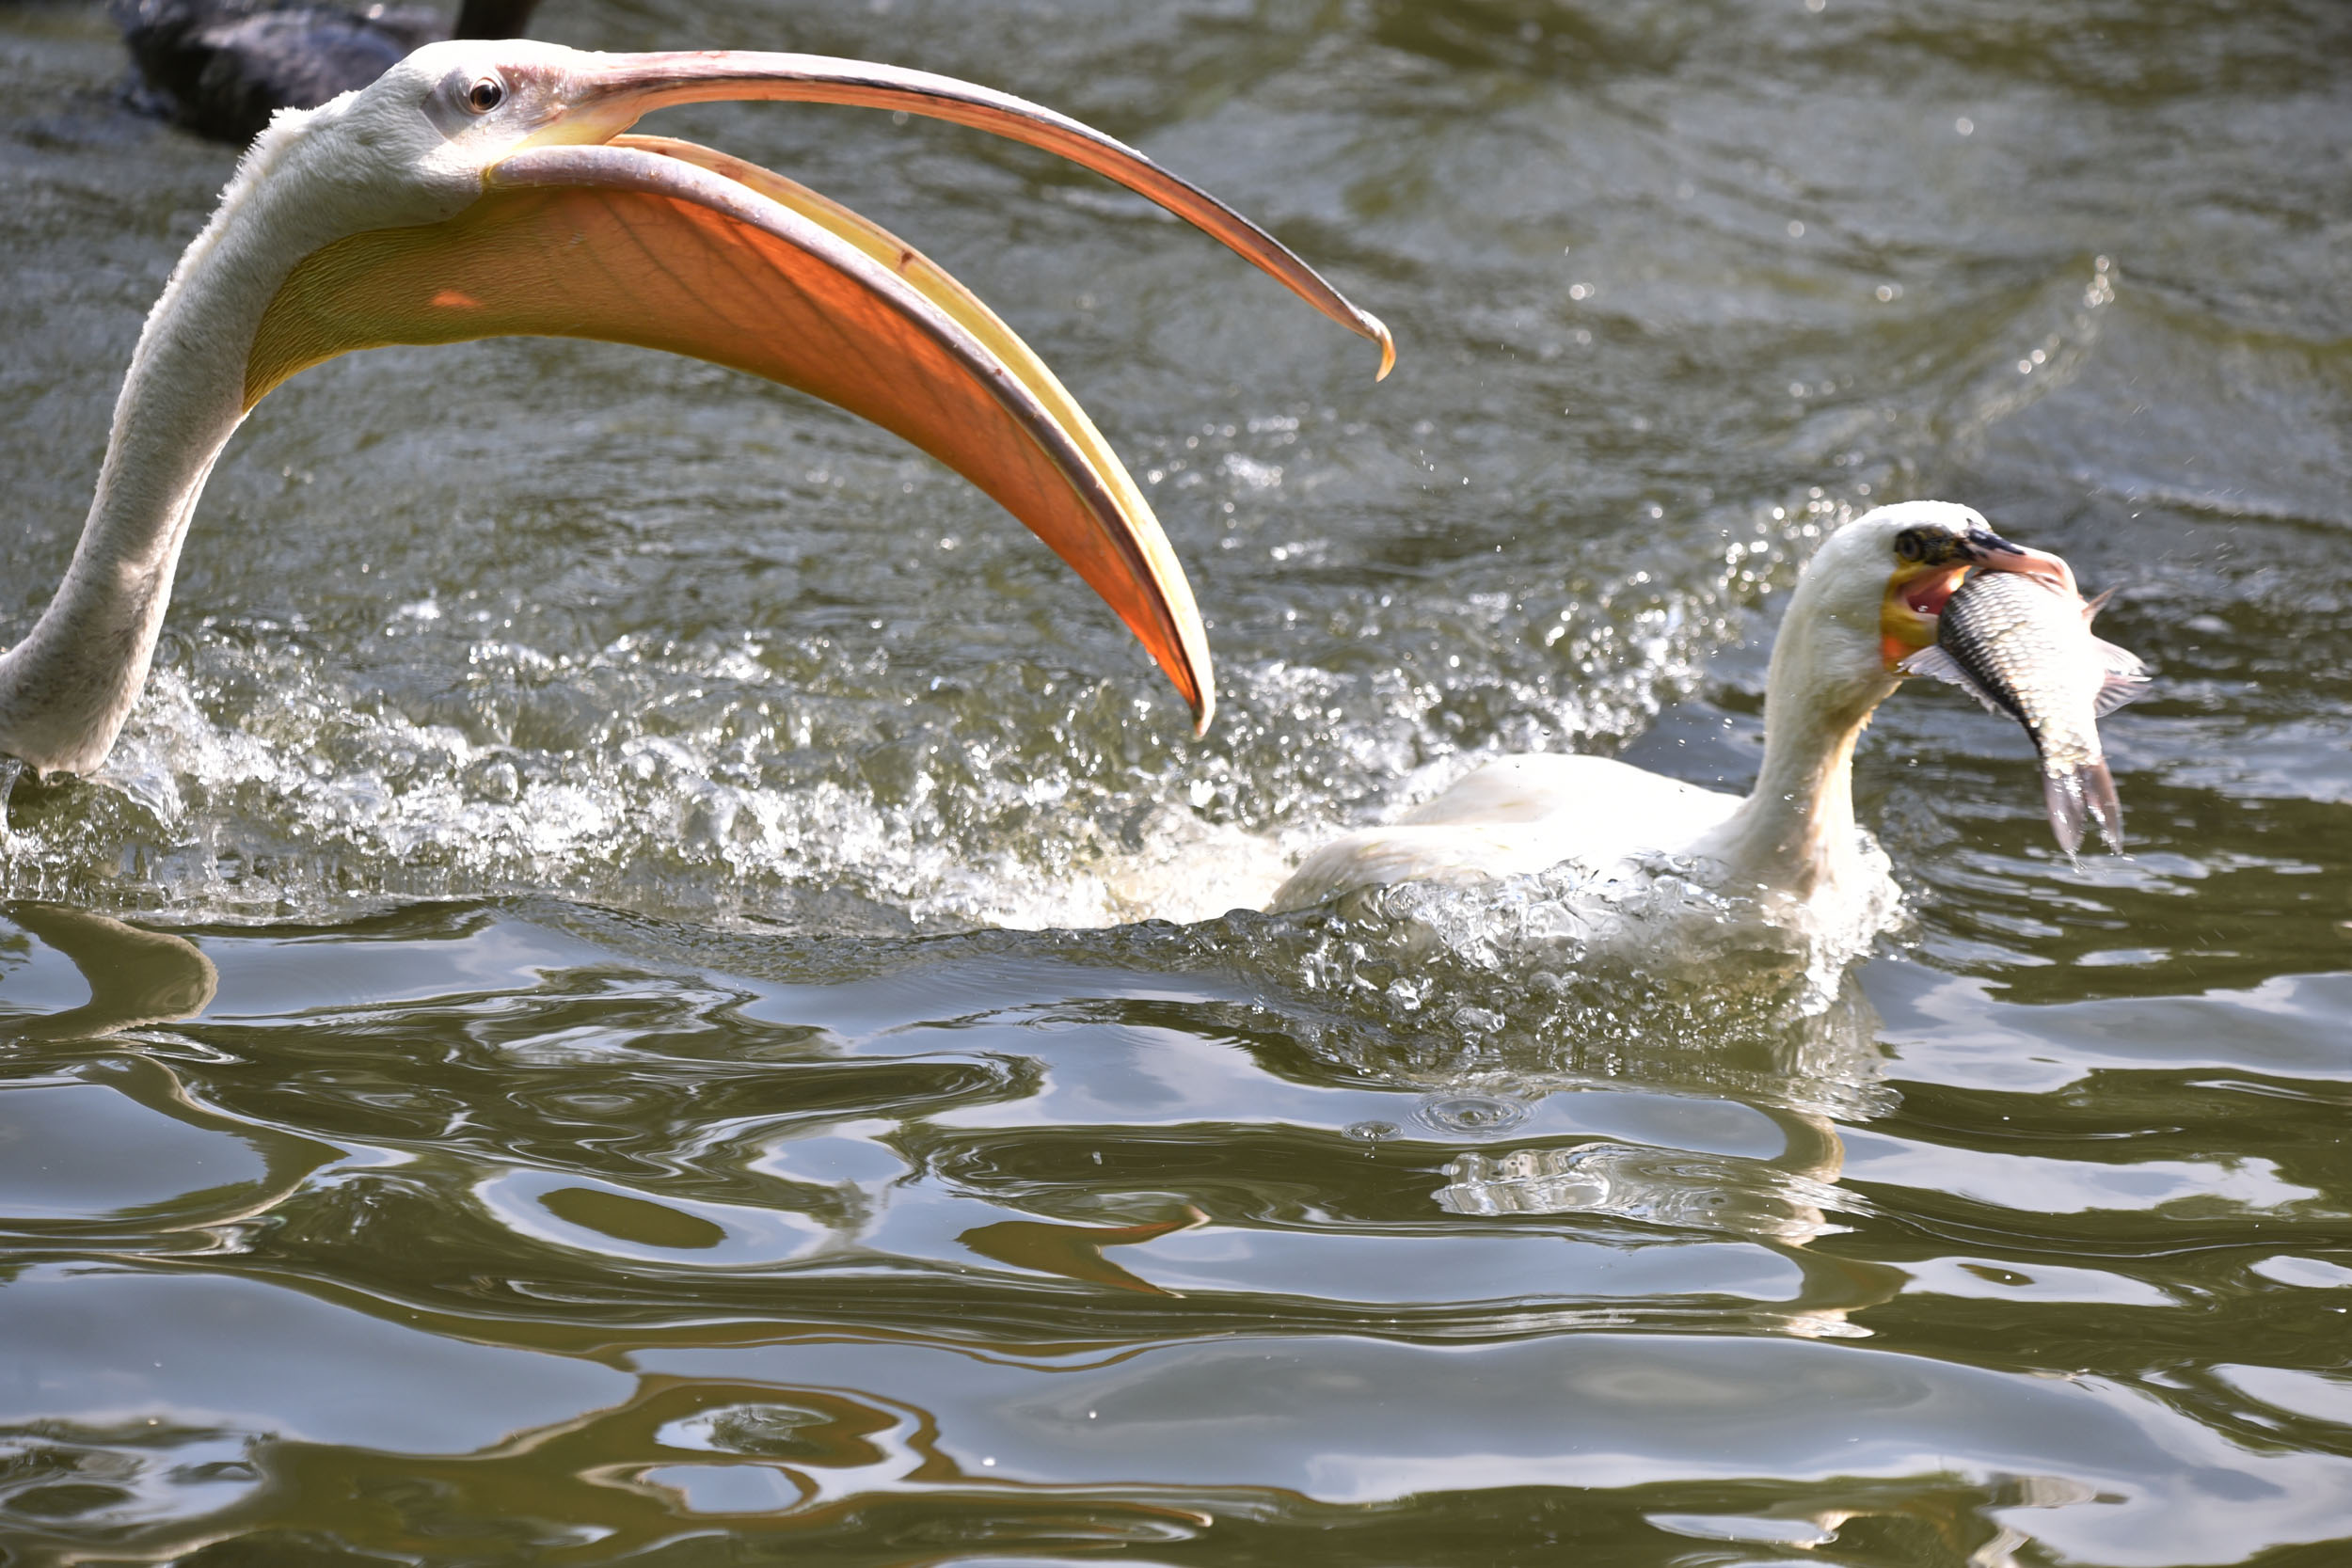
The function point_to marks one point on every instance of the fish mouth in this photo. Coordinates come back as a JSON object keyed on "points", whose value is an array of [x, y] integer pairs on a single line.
{"points": [[1984, 549], [1917, 591]]}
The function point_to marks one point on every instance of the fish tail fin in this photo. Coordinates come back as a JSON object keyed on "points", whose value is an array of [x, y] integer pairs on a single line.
{"points": [[2063, 794], [2078, 797], [2099, 787]]}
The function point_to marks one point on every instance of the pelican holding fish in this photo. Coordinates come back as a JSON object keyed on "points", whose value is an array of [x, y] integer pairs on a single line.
{"points": [[1918, 588]]}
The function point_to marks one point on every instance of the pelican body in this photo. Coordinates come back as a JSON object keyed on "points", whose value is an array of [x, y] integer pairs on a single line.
{"points": [[478, 189], [1866, 603]]}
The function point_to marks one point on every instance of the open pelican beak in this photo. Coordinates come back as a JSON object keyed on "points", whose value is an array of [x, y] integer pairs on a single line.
{"points": [[583, 232], [610, 95], [1917, 590]]}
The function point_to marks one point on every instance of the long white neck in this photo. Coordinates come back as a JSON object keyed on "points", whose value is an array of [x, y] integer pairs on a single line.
{"points": [[66, 689], [1795, 834]]}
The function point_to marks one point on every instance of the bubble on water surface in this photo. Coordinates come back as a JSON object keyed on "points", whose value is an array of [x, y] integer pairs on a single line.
{"points": [[1471, 1115]]}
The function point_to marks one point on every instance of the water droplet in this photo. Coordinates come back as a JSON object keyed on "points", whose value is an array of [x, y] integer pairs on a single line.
{"points": [[1371, 1132], [1475, 1115]]}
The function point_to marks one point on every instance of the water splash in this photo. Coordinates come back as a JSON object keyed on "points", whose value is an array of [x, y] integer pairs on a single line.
{"points": [[794, 782]]}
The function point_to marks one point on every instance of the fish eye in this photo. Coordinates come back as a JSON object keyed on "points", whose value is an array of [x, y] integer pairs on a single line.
{"points": [[1910, 545], [486, 93]]}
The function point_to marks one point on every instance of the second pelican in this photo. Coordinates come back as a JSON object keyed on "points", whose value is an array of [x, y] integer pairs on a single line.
{"points": [[1866, 602]]}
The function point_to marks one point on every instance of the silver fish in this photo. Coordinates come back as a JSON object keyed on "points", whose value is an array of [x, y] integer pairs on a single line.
{"points": [[2022, 645]]}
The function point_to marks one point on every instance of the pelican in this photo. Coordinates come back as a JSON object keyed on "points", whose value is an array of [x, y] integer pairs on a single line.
{"points": [[484, 189], [221, 68], [1866, 602]]}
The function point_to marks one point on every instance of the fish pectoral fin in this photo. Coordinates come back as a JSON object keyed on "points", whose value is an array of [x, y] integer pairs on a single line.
{"points": [[2116, 690], [1932, 660], [2126, 679]]}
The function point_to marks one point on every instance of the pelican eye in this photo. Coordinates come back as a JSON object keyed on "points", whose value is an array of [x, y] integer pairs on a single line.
{"points": [[485, 94], [1910, 545]]}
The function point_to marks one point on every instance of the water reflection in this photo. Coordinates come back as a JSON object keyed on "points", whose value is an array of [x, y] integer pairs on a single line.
{"points": [[1656, 1186], [66, 1484], [604, 1220], [812, 1248], [102, 1146], [1074, 1251], [790, 1459], [135, 977]]}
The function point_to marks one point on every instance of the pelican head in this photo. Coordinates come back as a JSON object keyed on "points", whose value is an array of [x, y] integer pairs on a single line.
{"points": [[486, 188], [1869, 597], [1927, 548]]}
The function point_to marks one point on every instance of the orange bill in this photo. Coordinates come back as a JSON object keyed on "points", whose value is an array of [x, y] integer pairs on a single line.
{"points": [[674, 247], [603, 101]]}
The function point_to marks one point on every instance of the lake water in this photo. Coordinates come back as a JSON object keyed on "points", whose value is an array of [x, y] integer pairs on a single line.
{"points": [[650, 982]]}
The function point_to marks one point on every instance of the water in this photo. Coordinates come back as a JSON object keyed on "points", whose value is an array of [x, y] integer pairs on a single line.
{"points": [[591, 1019]]}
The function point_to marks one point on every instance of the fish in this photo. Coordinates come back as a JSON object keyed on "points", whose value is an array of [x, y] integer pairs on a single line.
{"points": [[2022, 645]]}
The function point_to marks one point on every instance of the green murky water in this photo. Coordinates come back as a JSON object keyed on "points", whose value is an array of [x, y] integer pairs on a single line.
{"points": [[590, 1022]]}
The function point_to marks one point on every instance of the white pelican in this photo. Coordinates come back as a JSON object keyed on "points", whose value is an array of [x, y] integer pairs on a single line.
{"points": [[1865, 603], [482, 189]]}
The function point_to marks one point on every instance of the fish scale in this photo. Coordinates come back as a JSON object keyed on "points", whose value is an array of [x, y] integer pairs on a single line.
{"points": [[2022, 646]]}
